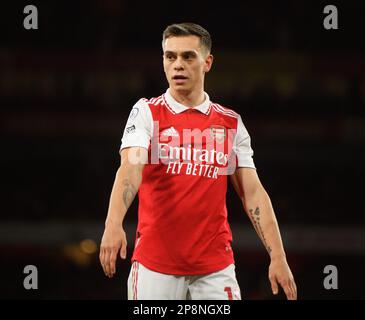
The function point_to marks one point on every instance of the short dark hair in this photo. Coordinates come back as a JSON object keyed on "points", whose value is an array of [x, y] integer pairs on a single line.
{"points": [[187, 29]]}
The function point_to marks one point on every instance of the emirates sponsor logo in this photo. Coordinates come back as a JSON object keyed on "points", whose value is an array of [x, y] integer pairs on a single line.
{"points": [[207, 153], [190, 154]]}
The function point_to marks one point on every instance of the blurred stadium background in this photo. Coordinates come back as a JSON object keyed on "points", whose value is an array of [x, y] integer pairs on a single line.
{"points": [[66, 90]]}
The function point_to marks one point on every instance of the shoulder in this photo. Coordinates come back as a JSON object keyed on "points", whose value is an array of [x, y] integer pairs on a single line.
{"points": [[154, 101], [148, 105], [224, 111]]}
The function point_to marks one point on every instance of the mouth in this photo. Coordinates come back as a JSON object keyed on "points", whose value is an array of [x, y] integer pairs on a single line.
{"points": [[179, 77]]}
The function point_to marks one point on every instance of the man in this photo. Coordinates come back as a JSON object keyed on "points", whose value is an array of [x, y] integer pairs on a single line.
{"points": [[176, 152]]}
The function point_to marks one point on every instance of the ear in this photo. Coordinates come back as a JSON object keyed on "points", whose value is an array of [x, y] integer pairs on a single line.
{"points": [[208, 62]]}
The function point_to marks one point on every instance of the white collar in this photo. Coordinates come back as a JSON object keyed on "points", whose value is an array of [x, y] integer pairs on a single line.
{"points": [[178, 107]]}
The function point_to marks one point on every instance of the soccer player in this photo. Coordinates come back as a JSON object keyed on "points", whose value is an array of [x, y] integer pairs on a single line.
{"points": [[177, 151]]}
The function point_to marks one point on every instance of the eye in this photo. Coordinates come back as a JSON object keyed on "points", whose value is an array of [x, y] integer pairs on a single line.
{"points": [[170, 57], [188, 55]]}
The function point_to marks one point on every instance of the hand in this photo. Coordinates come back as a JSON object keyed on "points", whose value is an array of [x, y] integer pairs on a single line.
{"points": [[114, 239], [279, 273]]}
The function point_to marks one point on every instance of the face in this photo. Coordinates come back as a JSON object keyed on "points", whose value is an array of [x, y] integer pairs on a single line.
{"points": [[185, 63]]}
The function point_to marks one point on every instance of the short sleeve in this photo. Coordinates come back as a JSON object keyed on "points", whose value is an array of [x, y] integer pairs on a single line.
{"points": [[138, 130], [242, 146]]}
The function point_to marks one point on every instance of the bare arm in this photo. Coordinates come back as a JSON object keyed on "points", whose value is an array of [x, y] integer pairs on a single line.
{"points": [[257, 205], [126, 184]]}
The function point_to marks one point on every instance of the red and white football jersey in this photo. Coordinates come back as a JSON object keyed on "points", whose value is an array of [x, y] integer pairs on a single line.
{"points": [[182, 216]]}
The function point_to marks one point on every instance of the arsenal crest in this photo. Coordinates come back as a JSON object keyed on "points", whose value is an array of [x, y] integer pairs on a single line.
{"points": [[218, 133]]}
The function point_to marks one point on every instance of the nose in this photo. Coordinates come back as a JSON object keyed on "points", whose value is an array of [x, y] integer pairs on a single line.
{"points": [[178, 66]]}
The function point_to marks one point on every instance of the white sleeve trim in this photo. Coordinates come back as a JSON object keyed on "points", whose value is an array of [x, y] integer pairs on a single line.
{"points": [[139, 127], [242, 146]]}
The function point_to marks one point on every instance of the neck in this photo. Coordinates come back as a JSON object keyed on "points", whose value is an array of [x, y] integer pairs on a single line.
{"points": [[188, 98]]}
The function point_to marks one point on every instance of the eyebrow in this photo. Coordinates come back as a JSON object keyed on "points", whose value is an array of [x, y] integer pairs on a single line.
{"points": [[183, 52]]}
